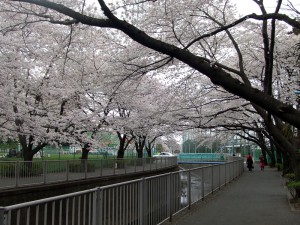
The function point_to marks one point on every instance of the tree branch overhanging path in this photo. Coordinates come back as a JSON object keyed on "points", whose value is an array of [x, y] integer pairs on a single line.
{"points": [[217, 75]]}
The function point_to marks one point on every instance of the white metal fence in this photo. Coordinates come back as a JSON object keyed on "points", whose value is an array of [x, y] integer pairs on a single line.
{"points": [[145, 201], [19, 173]]}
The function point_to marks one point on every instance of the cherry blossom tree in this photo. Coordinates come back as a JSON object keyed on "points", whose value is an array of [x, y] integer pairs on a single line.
{"points": [[196, 38], [218, 75], [45, 98]]}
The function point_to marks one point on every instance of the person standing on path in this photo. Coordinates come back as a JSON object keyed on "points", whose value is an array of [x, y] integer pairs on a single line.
{"points": [[262, 162], [249, 162]]}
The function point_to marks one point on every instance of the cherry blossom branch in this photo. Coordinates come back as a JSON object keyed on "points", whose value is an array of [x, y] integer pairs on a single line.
{"points": [[215, 74], [282, 17], [78, 17]]}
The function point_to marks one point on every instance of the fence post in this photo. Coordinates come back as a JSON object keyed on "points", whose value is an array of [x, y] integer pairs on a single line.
{"points": [[143, 164], [17, 173], [101, 167], [232, 171], [220, 176], [85, 169], [170, 187], [142, 201], [2, 216], [97, 207], [45, 171], [202, 183], [242, 166], [225, 174], [125, 165], [68, 165], [190, 189], [212, 179], [114, 165]]}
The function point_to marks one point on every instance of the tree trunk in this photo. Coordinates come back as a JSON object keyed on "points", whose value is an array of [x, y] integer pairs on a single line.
{"points": [[278, 151], [27, 154], [121, 153], [85, 151], [121, 150], [140, 153], [148, 152], [139, 145], [28, 151], [124, 143]]}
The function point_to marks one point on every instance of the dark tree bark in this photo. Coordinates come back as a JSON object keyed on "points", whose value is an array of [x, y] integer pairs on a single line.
{"points": [[123, 144], [149, 145], [28, 149], [139, 145], [85, 151]]}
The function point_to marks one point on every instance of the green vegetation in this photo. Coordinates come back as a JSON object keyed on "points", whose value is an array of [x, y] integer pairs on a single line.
{"points": [[279, 166], [9, 145], [293, 186], [78, 167]]}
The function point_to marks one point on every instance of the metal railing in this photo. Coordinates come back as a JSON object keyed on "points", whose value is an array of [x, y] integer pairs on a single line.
{"points": [[145, 201], [200, 157], [19, 173]]}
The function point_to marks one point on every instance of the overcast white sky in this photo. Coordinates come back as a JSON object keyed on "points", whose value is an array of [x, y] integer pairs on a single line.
{"points": [[248, 6]]}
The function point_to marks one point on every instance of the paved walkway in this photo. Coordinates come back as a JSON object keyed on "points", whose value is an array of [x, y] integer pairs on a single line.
{"points": [[256, 198]]}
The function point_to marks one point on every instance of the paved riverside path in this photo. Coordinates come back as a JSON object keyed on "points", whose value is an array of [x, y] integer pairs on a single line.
{"points": [[255, 198]]}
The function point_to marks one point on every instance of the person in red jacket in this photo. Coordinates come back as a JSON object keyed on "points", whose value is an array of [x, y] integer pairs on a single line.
{"points": [[262, 162]]}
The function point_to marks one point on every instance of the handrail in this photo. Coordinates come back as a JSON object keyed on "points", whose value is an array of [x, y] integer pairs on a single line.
{"points": [[149, 201], [16, 174]]}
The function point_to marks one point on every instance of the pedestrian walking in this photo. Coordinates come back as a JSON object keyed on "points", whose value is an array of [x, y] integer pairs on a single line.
{"points": [[262, 162], [249, 162]]}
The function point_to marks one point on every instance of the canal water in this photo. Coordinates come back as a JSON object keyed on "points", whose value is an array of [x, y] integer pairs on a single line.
{"points": [[196, 186]]}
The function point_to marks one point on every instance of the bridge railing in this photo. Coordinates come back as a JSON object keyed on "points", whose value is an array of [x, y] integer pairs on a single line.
{"points": [[146, 201], [15, 174], [198, 157]]}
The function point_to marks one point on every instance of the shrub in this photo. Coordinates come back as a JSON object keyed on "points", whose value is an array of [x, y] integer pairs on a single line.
{"points": [[107, 163], [79, 168], [290, 176], [293, 185], [279, 166], [294, 188]]}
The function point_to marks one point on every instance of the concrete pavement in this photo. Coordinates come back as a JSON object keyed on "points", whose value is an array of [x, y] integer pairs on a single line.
{"points": [[256, 198]]}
